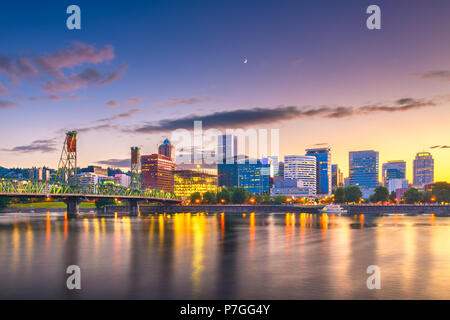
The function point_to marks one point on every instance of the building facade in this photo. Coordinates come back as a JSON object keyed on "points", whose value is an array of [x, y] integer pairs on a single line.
{"points": [[227, 148], [423, 167], [395, 184], [290, 188], [337, 177], [323, 169], [364, 171], [157, 172], [254, 177], [186, 182], [393, 170], [167, 149], [301, 168]]}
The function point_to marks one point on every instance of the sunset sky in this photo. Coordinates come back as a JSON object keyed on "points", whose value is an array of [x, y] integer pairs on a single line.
{"points": [[140, 69]]}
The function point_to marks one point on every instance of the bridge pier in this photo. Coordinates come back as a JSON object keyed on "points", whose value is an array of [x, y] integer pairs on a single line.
{"points": [[133, 206], [73, 208]]}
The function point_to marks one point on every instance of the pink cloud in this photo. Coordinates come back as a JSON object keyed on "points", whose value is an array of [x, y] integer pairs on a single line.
{"points": [[89, 76], [78, 54], [112, 103], [132, 101], [2, 88]]}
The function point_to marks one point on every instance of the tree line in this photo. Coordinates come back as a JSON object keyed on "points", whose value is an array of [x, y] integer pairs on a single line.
{"points": [[439, 193]]}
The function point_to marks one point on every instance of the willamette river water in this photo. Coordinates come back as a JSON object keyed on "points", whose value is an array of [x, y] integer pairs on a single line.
{"points": [[199, 256]]}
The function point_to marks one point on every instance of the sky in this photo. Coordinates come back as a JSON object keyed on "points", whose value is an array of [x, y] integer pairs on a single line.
{"points": [[137, 71]]}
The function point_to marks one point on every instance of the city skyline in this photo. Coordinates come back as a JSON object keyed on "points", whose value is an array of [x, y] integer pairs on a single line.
{"points": [[126, 80]]}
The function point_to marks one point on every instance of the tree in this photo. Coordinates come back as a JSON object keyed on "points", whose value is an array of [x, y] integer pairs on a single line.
{"points": [[339, 195], [441, 190], [209, 197], [196, 197], [381, 194], [279, 199], [102, 202], [224, 196], [239, 195], [412, 196], [353, 194], [393, 196], [4, 202]]}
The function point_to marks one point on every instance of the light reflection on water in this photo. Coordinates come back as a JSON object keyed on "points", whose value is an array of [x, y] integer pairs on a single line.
{"points": [[223, 256]]}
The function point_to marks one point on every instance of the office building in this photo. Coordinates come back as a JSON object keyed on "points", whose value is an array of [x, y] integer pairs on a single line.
{"points": [[167, 149], [186, 182], [323, 169], [337, 177], [157, 172], [423, 168], [393, 170], [96, 169], [395, 184], [254, 177], [227, 148], [364, 171], [301, 168]]}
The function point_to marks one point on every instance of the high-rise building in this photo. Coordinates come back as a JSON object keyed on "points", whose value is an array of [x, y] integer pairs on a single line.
{"points": [[395, 184], [364, 171], [302, 168], [337, 177], [274, 165], [227, 148], [393, 170], [186, 182], [280, 170], [167, 149], [323, 169], [157, 172], [254, 177], [423, 169]]}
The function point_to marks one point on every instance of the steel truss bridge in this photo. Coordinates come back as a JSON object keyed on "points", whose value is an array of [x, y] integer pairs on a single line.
{"points": [[73, 195], [68, 189]]}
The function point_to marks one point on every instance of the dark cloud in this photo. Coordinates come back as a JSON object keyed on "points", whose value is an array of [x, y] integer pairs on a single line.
{"points": [[43, 146], [440, 147], [247, 117], [4, 104], [116, 163], [54, 97], [443, 75]]}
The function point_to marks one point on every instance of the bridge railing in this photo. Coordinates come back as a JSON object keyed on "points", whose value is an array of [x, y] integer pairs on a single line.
{"points": [[18, 186]]}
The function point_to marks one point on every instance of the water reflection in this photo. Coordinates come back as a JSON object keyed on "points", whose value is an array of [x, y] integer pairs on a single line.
{"points": [[245, 256]]}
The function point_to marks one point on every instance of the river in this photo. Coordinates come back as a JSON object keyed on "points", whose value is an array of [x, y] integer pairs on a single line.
{"points": [[224, 256]]}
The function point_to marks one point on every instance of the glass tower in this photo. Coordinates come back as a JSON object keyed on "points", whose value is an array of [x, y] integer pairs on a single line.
{"points": [[363, 171]]}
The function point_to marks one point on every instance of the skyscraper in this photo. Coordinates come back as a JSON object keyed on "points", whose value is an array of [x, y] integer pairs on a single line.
{"points": [[167, 149], [393, 170], [157, 172], [323, 169], [255, 177], [226, 148], [302, 168], [364, 171], [337, 177], [423, 169]]}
